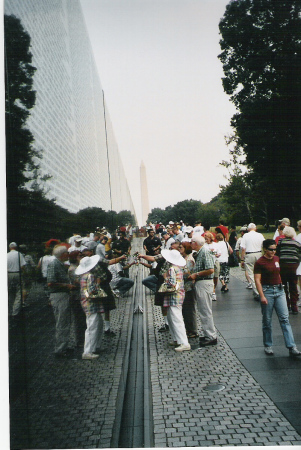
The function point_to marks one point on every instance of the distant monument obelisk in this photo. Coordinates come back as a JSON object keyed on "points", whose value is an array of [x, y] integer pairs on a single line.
{"points": [[144, 194]]}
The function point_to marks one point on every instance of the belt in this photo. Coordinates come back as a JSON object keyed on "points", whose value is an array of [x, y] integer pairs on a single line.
{"points": [[204, 278], [258, 251]]}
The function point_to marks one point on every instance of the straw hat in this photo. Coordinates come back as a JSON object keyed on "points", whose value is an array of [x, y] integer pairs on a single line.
{"points": [[174, 257], [86, 264]]}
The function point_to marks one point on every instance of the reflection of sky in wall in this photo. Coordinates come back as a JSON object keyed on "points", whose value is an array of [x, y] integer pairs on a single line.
{"points": [[158, 65]]}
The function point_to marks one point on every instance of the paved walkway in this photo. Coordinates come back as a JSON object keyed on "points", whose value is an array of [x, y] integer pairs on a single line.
{"points": [[72, 403], [185, 414]]}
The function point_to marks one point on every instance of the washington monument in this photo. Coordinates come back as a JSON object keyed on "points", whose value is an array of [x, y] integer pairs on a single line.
{"points": [[144, 194]]}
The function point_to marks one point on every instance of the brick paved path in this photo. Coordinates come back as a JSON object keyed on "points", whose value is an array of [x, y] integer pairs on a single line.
{"points": [[66, 403], [72, 403]]}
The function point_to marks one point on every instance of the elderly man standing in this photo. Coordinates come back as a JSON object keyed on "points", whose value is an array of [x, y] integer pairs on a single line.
{"points": [[251, 245], [15, 264], [202, 274], [59, 288]]}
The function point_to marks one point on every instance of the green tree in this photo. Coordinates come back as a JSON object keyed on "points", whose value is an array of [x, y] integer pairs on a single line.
{"points": [[157, 215], [261, 57], [21, 157], [211, 212], [186, 210]]}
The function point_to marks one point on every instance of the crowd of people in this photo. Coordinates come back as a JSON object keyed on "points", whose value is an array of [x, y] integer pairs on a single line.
{"points": [[83, 276]]}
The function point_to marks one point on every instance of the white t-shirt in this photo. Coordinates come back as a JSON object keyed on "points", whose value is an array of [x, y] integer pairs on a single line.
{"points": [[223, 250], [213, 246], [45, 260], [198, 229], [252, 241], [115, 269], [13, 264]]}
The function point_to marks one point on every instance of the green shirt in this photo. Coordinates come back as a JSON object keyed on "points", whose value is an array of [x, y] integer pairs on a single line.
{"points": [[204, 260]]}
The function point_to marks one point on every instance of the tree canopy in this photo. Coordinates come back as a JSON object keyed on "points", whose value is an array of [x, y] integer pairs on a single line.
{"points": [[261, 57], [186, 210]]}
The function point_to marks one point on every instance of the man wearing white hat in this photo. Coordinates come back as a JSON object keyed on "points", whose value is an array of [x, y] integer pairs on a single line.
{"points": [[251, 245]]}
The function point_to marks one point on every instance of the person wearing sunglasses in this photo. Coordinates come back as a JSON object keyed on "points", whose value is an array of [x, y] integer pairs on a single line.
{"points": [[272, 296]]}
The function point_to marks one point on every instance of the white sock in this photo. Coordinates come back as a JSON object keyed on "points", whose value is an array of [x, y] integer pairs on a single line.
{"points": [[107, 325], [165, 320]]}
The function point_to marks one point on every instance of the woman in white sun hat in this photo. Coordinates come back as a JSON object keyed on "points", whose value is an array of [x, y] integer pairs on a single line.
{"points": [[174, 300], [92, 306]]}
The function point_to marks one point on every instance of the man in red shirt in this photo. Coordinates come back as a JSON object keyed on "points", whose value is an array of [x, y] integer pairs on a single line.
{"points": [[224, 230]]}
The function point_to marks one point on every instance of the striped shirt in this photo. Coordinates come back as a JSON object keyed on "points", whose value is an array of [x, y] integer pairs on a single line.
{"points": [[289, 251]]}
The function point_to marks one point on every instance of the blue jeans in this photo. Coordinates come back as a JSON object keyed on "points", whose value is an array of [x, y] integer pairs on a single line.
{"points": [[275, 296], [124, 285], [151, 282]]}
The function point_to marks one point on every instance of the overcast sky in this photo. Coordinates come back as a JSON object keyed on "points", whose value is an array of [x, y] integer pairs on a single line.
{"points": [[158, 66]]}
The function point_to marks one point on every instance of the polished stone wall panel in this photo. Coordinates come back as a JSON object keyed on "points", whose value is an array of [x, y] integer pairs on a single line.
{"points": [[68, 120]]}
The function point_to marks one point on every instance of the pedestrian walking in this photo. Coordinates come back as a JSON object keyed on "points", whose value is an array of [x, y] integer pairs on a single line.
{"points": [[15, 266], [272, 296]]}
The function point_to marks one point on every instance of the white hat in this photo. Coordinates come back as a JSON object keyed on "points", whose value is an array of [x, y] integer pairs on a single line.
{"points": [[174, 257], [286, 221], [251, 226], [86, 264], [188, 229], [78, 239], [171, 222], [12, 245]]}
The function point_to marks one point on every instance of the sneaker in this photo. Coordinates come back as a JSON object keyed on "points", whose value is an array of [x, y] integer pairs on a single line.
{"points": [[249, 286], [294, 351], [164, 328], [223, 288], [214, 296], [183, 348], [89, 356], [268, 351], [205, 342]]}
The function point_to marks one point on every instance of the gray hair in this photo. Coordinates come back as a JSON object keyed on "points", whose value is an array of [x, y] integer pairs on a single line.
{"points": [[59, 250], [289, 232], [198, 238], [299, 223]]}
